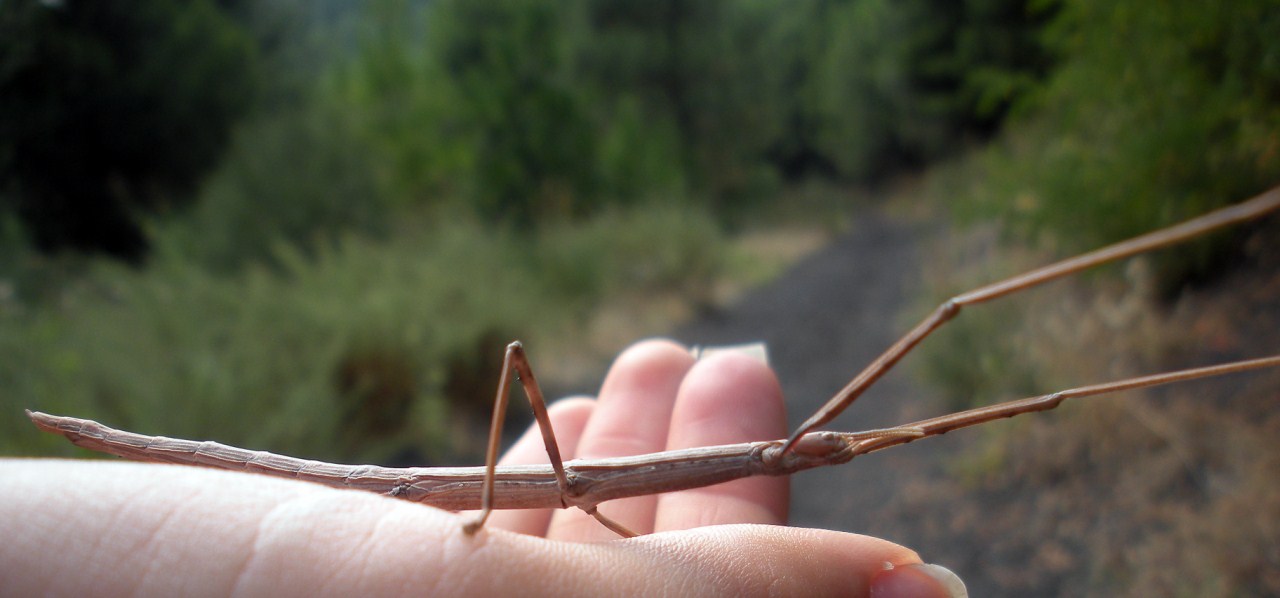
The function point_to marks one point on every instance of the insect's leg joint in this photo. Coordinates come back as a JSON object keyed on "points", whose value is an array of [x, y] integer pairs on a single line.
{"points": [[950, 308]]}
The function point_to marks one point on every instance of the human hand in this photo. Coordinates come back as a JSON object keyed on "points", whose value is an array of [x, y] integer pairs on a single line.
{"points": [[114, 528]]}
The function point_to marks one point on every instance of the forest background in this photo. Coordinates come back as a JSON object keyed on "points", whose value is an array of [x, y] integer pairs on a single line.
{"points": [[312, 226]]}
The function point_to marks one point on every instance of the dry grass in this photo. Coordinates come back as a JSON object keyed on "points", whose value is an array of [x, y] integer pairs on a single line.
{"points": [[1170, 492]]}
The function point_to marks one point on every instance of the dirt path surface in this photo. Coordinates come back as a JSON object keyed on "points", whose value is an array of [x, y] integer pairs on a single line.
{"points": [[824, 319]]}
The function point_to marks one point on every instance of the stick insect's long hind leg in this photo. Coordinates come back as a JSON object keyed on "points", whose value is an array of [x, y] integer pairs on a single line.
{"points": [[516, 363], [1248, 210]]}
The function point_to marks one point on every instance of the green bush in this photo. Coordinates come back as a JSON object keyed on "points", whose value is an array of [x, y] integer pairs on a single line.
{"points": [[254, 358], [1153, 117], [300, 179], [664, 247], [355, 350]]}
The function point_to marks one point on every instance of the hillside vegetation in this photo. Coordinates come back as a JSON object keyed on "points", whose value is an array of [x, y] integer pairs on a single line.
{"points": [[314, 232]]}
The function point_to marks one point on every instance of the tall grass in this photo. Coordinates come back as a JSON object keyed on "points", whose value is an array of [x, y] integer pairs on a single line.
{"points": [[346, 351]]}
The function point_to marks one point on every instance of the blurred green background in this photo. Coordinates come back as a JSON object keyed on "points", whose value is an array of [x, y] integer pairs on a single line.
{"points": [[312, 226]]}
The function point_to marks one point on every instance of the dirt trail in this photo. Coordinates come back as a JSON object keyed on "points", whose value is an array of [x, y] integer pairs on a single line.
{"points": [[823, 320]]}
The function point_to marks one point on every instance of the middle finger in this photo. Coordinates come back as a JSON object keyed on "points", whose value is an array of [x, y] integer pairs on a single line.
{"points": [[631, 417]]}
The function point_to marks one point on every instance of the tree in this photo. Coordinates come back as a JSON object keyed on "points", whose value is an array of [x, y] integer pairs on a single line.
{"points": [[111, 109]]}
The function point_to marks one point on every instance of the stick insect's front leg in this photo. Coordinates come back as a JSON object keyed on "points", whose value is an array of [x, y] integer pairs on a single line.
{"points": [[516, 363], [514, 354]]}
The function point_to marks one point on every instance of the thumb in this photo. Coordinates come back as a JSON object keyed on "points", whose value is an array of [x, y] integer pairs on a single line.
{"points": [[727, 560], [760, 559]]}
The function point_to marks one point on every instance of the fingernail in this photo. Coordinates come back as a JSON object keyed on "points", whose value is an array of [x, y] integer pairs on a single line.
{"points": [[917, 580], [757, 351]]}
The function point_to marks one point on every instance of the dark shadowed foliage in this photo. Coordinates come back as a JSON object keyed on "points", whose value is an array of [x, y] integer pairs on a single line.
{"points": [[108, 110]]}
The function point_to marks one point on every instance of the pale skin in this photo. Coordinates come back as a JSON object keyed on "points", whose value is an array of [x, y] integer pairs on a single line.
{"points": [[111, 528]]}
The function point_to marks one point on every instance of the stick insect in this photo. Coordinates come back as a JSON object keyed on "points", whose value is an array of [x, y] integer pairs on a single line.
{"points": [[586, 484]]}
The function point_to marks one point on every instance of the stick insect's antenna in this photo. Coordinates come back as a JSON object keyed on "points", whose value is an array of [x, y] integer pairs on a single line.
{"points": [[1248, 210]]}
